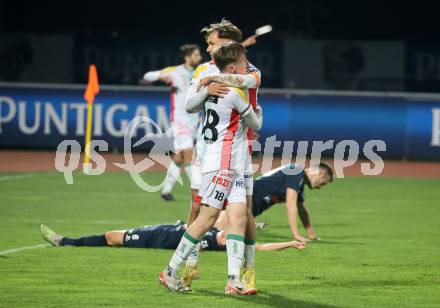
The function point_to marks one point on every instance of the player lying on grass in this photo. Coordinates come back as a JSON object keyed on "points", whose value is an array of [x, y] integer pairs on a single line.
{"points": [[158, 236], [223, 165], [184, 124], [284, 185]]}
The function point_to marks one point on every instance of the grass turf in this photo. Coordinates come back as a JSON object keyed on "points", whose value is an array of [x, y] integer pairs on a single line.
{"points": [[380, 246]]}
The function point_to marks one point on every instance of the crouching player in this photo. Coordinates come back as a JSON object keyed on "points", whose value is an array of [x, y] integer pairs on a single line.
{"points": [[223, 167]]}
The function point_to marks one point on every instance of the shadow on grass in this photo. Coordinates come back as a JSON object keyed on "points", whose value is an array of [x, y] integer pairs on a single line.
{"points": [[269, 299]]}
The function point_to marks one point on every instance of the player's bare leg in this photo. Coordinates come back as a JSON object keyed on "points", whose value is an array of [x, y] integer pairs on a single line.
{"points": [[236, 215], [173, 174], [195, 206], [169, 277], [249, 280], [110, 238], [191, 269], [187, 159]]}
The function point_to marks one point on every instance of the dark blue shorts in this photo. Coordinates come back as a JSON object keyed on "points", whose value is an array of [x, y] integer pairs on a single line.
{"points": [[138, 238]]}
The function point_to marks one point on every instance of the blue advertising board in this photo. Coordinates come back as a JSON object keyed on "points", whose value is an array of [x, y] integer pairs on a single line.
{"points": [[43, 116]]}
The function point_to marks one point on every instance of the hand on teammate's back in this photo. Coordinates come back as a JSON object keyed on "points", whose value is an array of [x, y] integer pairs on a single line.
{"points": [[203, 83], [217, 89]]}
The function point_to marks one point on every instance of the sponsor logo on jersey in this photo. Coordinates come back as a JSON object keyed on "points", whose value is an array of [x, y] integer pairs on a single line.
{"points": [[240, 183], [221, 181]]}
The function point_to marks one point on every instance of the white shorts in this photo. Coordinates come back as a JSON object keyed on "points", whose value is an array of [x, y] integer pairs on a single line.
{"points": [[217, 186], [184, 135], [196, 175]]}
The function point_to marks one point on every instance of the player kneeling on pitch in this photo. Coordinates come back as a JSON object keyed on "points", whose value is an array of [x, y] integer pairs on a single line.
{"points": [[223, 163]]}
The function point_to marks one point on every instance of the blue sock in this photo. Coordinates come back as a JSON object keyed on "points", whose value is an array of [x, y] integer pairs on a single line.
{"points": [[95, 240]]}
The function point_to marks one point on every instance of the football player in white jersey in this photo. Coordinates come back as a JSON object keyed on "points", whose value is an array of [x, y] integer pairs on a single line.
{"points": [[183, 124], [207, 81], [223, 167]]}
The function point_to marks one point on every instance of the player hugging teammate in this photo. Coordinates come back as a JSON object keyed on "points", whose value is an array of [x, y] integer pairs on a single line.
{"points": [[224, 162]]}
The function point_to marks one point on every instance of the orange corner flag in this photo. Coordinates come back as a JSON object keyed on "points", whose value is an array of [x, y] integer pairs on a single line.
{"points": [[91, 91], [92, 86]]}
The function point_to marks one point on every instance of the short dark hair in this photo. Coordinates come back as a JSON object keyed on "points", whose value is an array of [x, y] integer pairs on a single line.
{"points": [[188, 49], [327, 170], [227, 54], [224, 29]]}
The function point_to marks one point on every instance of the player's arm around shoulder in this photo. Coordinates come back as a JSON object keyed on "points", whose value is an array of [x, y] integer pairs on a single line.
{"points": [[241, 103], [248, 81]]}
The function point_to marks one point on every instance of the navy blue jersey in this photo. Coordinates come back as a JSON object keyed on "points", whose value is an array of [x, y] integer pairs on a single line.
{"points": [[166, 237], [270, 188]]}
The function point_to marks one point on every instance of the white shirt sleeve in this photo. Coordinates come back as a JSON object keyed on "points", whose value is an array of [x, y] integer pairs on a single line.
{"points": [[253, 118], [195, 101], [155, 75], [152, 76]]}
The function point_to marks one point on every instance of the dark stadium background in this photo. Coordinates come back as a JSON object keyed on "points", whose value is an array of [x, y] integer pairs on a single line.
{"points": [[163, 25]]}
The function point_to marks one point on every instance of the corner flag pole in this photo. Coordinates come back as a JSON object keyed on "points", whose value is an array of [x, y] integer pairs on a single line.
{"points": [[89, 95]]}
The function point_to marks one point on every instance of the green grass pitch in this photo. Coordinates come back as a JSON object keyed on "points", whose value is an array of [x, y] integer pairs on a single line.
{"points": [[380, 246]]}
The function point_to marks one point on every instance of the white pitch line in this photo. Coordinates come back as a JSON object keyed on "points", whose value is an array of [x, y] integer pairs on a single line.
{"points": [[17, 176], [4, 252], [24, 176]]}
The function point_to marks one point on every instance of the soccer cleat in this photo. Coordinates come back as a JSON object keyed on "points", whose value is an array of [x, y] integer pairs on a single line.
{"points": [[234, 286], [50, 236], [249, 281], [167, 197], [260, 225], [173, 283], [179, 223], [191, 273]]}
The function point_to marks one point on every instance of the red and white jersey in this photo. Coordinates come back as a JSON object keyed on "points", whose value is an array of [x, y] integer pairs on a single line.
{"points": [[180, 79], [209, 68], [224, 132]]}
